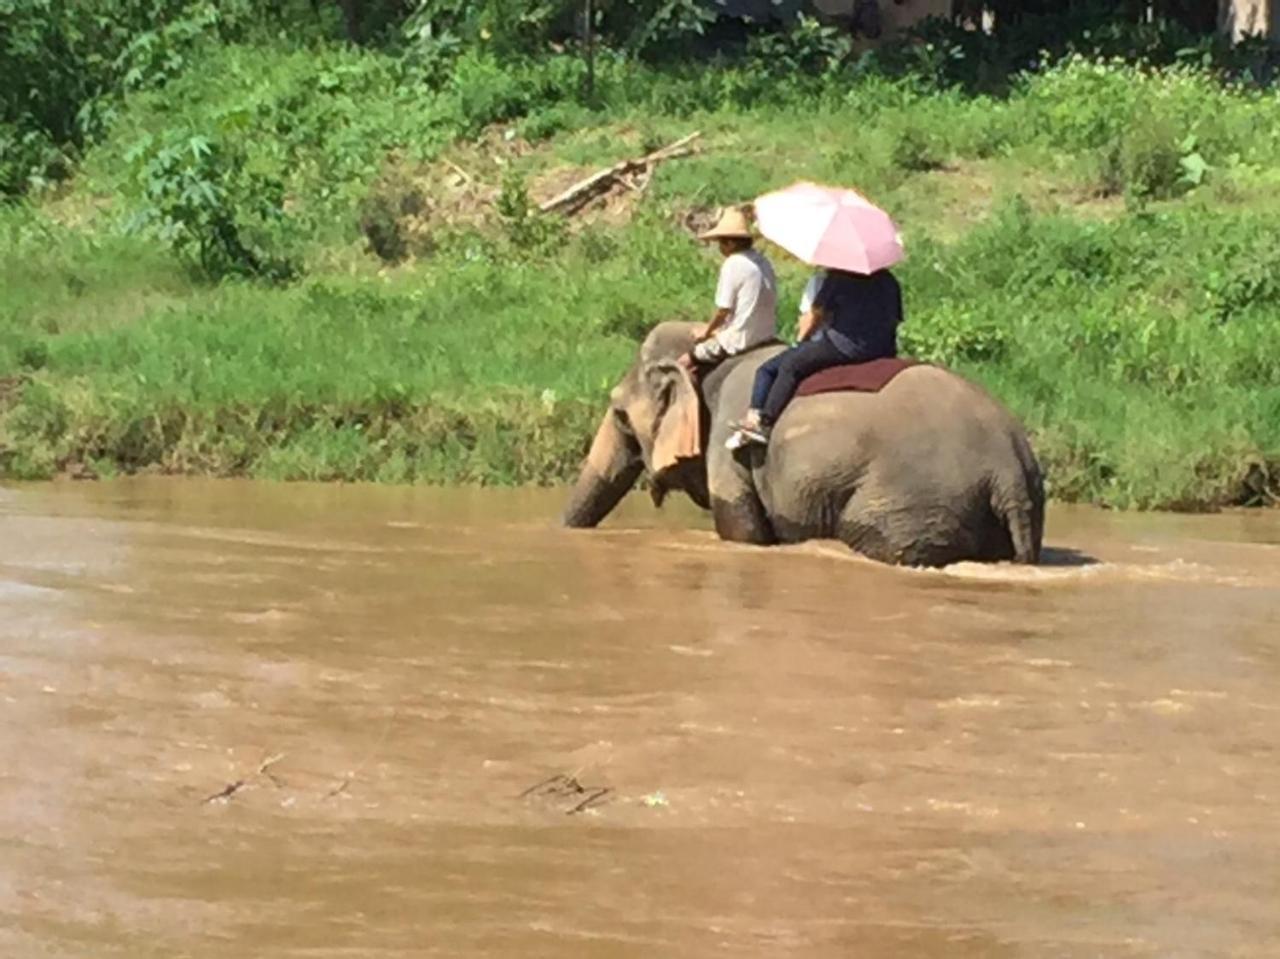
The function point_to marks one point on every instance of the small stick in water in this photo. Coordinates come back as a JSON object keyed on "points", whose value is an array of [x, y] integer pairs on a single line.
{"points": [[230, 789], [351, 776], [538, 787], [590, 801], [265, 769], [226, 792], [341, 787]]}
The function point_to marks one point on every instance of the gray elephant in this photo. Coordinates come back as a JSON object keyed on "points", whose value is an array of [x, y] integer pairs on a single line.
{"points": [[929, 471]]}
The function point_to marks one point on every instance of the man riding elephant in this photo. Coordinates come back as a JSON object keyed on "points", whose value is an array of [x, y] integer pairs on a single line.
{"points": [[746, 297], [929, 470], [905, 463]]}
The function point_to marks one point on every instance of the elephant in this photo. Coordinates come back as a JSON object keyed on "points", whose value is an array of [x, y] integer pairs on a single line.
{"points": [[929, 471]]}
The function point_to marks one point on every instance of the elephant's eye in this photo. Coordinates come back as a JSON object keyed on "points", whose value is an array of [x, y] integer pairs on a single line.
{"points": [[621, 418]]}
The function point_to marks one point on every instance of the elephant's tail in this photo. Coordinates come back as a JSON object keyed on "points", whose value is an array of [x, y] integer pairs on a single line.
{"points": [[1023, 515], [1022, 533]]}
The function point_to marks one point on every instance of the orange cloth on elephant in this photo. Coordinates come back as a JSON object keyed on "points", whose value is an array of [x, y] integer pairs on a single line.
{"points": [[680, 436]]}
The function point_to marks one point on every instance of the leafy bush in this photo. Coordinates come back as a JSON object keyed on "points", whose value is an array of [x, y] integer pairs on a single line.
{"points": [[954, 333], [1145, 162], [201, 199], [1081, 104], [915, 149], [807, 46], [27, 157], [529, 231], [60, 60], [508, 27]]}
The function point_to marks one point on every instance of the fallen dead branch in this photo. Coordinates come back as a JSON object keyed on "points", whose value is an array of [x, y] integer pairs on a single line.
{"points": [[634, 175], [466, 177]]}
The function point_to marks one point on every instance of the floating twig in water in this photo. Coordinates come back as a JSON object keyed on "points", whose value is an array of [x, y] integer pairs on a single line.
{"points": [[226, 792], [230, 789], [590, 801], [561, 785], [351, 776], [341, 787], [558, 778], [265, 769]]}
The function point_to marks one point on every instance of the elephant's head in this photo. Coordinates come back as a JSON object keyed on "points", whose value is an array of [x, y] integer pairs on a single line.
{"points": [[650, 414]]}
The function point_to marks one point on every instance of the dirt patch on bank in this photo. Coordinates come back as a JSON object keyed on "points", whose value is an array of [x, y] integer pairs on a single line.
{"points": [[414, 207]]}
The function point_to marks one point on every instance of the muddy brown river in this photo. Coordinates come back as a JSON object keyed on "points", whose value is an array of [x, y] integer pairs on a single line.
{"points": [[242, 720]]}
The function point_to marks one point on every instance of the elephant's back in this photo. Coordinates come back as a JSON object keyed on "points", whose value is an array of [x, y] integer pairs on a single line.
{"points": [[931, 442], [925, 405]]}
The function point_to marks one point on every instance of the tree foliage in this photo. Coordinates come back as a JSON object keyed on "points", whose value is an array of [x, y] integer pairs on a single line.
{"points": [[62, 60], [64, 63]]}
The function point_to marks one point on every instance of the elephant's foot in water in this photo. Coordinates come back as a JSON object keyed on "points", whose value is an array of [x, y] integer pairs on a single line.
{"points": [[743, 520]]}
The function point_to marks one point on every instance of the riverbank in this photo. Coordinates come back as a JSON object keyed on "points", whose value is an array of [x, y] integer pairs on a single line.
{"points": [[1098, 249]]}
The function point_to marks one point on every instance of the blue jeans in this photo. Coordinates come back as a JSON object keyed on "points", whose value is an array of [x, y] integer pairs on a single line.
{"points": [[778, 379]]}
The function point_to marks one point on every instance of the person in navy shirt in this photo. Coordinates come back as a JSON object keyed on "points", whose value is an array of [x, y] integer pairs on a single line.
{"points": [[854, 319]]}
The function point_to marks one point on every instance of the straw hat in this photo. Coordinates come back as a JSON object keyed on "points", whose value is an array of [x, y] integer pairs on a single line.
{"points": [[733, 225]]}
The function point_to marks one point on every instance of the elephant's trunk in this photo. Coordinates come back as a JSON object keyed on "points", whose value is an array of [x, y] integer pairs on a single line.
{"points": [[611, 469]]}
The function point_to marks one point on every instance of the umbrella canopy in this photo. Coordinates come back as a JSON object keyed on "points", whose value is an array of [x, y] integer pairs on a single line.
{"points": [[830, 227]]}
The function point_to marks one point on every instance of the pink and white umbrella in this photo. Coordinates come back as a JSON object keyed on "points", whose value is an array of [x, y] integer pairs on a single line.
{"points": [[830, 227]]}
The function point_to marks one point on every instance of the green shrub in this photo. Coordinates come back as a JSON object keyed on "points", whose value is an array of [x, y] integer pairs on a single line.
{"points": [[807, 46], [550, 121], [61, 60], [957, 333], [529, 231], [915, 149], [219, 216], [1145, 163], [1081, 104]]}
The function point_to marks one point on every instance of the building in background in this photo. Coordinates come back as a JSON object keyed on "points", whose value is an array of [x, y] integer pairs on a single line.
{"points": [[1240, 19], [1237, 19]]}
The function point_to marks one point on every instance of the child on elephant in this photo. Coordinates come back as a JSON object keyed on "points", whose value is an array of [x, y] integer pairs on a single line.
{"points": [[746, 297], [854, 318]]}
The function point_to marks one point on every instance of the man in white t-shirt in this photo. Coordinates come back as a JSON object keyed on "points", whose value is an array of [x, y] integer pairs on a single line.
{"points": [[746, 296]]}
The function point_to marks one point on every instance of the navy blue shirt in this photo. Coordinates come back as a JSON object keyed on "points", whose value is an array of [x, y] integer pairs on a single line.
{"points": [[861, 313]]}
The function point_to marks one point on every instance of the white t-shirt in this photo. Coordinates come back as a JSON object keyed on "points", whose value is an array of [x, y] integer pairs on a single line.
{"points": [[811, 290], [749, 288]]}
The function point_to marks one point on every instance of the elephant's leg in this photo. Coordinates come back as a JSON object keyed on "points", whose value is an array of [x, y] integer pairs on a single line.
{"points": [[739, 515]]}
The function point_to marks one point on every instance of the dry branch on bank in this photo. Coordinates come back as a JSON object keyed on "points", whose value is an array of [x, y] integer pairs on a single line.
{"points": [[633, 175]]}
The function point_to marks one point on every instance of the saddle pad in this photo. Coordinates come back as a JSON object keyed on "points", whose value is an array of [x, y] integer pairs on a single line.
{"points": [[869, 377]]}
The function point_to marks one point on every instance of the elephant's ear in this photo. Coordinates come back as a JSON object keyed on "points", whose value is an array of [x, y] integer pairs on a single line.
{"points": [[677, 434]]}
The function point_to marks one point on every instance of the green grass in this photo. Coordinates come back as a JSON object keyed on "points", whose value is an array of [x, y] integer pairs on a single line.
{"points": [[1061, 254]]}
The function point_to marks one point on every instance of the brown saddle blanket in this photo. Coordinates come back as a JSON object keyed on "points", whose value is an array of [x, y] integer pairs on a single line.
{"points": [[869, 377]]}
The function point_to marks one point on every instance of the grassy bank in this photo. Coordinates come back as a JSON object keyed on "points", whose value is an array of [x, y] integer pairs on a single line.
{"points": [[1099, 248]]}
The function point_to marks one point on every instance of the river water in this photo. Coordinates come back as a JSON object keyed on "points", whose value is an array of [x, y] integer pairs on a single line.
{"points": [[246, 720]]}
